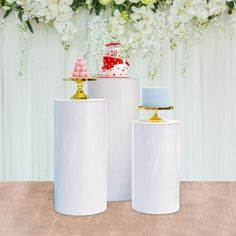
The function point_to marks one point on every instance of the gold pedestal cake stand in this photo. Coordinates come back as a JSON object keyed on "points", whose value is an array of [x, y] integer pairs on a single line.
{"points": [[155, 117], [80, 94]]}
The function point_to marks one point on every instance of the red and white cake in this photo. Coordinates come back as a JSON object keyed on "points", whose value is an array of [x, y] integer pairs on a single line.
{"points": [[113, 65]]}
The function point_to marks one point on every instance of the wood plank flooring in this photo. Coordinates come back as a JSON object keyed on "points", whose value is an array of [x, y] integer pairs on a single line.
{"points": [[207, 209]]}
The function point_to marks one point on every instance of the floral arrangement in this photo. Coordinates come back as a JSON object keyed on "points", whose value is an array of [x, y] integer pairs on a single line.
{"points": [[149, 25]]}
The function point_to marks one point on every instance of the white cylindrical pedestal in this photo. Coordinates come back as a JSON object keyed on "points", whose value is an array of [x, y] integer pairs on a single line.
{"points": [[156, 167], [80, 156], [123, 100]]}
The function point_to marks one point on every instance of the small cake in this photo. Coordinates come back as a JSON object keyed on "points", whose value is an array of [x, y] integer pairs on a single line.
{"points": [[155, 97], [80, 69], [113, 65]]}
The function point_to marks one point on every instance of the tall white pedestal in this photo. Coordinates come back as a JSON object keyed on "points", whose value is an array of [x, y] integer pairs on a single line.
{"points": [[80, 156], [123, 100], [156, 167]]}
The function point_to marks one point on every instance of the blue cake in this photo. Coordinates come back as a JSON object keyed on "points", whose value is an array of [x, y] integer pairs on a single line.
{"points": [[155, 97]]}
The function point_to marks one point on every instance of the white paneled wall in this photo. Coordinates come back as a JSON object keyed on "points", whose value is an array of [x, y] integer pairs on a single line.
{"points": [[204, 98]]}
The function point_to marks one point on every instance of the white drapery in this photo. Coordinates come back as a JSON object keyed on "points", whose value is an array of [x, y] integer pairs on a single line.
{"points": [[204, 99]]}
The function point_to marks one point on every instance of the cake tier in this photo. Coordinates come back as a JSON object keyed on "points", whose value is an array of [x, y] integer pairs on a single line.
{"points": [[155, 97], [109, 62], [117, 71]]}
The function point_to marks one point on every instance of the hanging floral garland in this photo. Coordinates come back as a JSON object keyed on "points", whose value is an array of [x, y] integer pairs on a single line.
{"points": [[149, 25]]}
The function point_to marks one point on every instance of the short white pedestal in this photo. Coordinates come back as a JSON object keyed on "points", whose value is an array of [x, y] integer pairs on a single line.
{"points": [[123, 100], [156, 166], [80, 156]]}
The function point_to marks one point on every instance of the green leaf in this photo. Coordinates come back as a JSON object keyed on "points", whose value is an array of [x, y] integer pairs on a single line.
{"points": [[7, 13], [98, 8], [29, 26], [121, 8], [155, 6], [36, 19], [20, 15], [230, 5]]}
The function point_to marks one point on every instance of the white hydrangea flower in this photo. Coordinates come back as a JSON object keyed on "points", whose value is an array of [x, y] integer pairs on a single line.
{"points": [[97, 37]]}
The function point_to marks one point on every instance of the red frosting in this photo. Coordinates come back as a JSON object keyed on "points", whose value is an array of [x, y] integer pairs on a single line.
{"points": [[112, 44], [109, 62]]}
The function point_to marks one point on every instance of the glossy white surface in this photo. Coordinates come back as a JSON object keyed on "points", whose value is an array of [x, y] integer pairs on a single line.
{"points": [[80, 156], [156, 167], [123, 100]]}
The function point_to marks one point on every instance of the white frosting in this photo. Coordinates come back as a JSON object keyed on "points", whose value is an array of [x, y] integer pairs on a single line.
{"points": [[118, 71]]}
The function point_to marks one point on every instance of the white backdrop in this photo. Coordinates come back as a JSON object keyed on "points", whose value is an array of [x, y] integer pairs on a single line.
{"points": [[204, 98]]}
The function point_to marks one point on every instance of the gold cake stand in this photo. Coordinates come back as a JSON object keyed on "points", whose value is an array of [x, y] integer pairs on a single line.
{"points": [[80, 94], [155, 117]]}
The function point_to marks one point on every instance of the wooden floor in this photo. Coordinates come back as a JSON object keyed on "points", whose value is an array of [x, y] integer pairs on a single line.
{"points": [[206, 209]]}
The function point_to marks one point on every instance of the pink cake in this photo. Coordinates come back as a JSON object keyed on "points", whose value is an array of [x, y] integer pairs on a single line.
{"points": [[113, 65], [80, 69]]}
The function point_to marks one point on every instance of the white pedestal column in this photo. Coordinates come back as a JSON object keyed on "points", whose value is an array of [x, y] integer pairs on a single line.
{"points": [[156, 166], [80, 156], [123, 100]]}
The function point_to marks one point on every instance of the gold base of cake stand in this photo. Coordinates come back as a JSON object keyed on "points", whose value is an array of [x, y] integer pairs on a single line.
{"points": [[155, 117], [80, 94]]}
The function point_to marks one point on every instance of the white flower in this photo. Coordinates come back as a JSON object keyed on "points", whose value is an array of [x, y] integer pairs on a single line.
{"points": [[66, 30], [118, 2], [66, 2], [22, 2], [105, 2], [134, 1], [150, 34], [148, 2], [116, 24], [50, 12], [97, 37], [10, 1], [64, 13], [5, 8], [89, 3], [186, 21], [151, 31], [216, 7], [25, 16]]}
